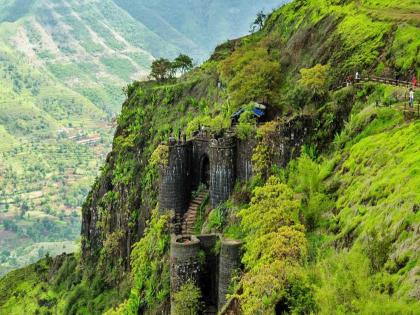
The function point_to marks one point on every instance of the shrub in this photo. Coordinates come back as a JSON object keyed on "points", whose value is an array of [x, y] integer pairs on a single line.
{"points": [[246, 126], [277, 288], [251, 75], [217, 218], [304, 175], [317, 205], [314, 81], [150, 271], [377, 249], [160, 157], [274, 241], [263, 155], [187, 301]]}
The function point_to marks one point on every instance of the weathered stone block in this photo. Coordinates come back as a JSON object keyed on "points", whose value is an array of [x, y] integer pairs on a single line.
{"points": [[230, 261]]}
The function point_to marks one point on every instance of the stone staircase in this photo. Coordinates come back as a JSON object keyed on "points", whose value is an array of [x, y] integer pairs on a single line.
{"points": [[189, 219]]}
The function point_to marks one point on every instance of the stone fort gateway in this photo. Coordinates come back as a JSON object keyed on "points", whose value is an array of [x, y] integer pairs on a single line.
{"points": [[216, 164], [210, 261]]}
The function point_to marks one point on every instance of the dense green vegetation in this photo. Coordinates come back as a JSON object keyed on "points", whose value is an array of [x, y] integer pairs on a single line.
{"points": [[358, 205], [46, 165], [63, 65], [335, 231]]}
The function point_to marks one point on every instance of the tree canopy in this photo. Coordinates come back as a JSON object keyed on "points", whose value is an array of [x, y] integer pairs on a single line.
{"points": [[259, 21], [164, 69], [183, 63]]}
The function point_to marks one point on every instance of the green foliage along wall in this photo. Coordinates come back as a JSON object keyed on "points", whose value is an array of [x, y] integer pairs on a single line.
{"points": [[308, 226]]}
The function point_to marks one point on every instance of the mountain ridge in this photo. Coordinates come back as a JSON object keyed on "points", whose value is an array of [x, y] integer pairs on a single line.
{"points": [[63, 66], [329, 221]]}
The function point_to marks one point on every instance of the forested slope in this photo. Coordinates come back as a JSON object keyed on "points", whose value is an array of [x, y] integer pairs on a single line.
{"points": [[334, 230], [63, 66]]}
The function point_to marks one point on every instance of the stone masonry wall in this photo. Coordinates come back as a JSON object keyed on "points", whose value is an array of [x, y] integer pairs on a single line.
{"points": [[222, 169], [244, 152], [175, 181], [230, 262], [184, 260], [213, 275]]}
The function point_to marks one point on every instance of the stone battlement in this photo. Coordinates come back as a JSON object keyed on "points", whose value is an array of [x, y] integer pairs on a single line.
{"points": [[202, 160], [208, 261]]}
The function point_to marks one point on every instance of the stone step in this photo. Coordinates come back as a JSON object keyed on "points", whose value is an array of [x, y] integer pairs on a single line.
{"points": [[190, 216]]}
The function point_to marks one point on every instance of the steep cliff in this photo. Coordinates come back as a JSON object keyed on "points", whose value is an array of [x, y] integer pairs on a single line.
{"points": [[263, 67], [326, 165]]}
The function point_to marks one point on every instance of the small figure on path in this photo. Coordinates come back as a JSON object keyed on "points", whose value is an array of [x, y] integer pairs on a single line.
{"points": [[411, 97], [348, 81], [357, 76], [414, 81]]}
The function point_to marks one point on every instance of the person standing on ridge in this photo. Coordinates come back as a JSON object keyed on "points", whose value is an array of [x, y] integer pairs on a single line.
{"points": [[357, 77], [411, 98], [414, 81]]}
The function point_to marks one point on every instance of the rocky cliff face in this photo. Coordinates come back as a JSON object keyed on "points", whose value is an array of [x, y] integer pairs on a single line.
{"points": [[298, 35], [346, 209], [120, 203]]}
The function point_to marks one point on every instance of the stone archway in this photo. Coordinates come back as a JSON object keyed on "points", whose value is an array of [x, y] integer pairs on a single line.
{"points": [[205, 170]]}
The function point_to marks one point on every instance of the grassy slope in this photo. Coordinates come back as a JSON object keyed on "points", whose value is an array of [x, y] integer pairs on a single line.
{"points": [[152, 110], [49, 286], [35, 109], [373, 222]]}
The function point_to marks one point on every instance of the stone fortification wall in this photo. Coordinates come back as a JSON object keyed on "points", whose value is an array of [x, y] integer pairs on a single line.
{"points": [[229, 263], [185, 262], [175, 183], [222, 169]]}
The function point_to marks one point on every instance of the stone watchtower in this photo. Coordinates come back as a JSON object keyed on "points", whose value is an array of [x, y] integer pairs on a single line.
{"points": [[175, 183], [222, 169], [185, 171]]}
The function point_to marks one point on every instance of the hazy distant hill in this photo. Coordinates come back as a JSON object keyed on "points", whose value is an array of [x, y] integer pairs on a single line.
{"points": [[197, 25]]}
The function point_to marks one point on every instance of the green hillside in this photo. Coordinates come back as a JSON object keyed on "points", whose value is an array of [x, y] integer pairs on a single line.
{"points": [[329, 226], [63, 66]]}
